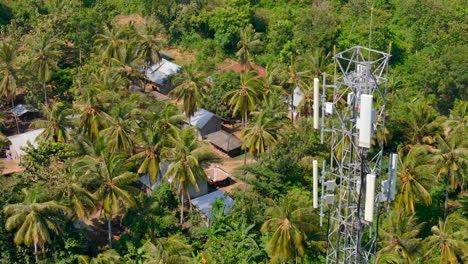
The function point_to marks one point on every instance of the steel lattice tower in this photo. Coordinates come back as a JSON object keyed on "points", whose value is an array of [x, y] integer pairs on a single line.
{"points": [[360, 75]]}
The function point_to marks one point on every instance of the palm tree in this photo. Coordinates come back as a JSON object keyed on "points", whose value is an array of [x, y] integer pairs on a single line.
{"points": [[288, 221], [448, 240], [92, 118], [191, 88], [184, 152], [152, 142], [110, 42], [76, 197], [401, 236], [8, 78], [306, 104], [451, 162], [263, 133], [57, 124], [270, 85], [247, 96], [128, 65], [458, 118], [149, 44], [415, 172], [296, 78], [318, 61], [123, 124], [249, 42], [421, 122], [167, 250], [35, 222], [8, 70], [113, 178], [44, 55], [109, 256]]}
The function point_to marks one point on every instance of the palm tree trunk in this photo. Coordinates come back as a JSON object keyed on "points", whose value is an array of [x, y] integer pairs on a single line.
{"points": [[35, 252], [109, 226], [45, 93], [189, 200], [292, 106], [181, 207], [447, 182]]}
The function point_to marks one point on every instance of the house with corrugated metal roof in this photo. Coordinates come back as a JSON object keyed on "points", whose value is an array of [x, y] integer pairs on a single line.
{"points": [[163, 166], [206, 121], [160, 72]]}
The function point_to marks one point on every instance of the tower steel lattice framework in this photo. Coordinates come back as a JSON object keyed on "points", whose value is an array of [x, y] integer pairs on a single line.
{"points": [[351, 238]]}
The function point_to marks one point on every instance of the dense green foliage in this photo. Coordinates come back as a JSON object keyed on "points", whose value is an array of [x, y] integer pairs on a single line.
{"points": [[78, 199]]}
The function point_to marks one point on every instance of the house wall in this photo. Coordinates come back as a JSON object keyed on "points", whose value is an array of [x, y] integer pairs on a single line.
{"points": [[213, 125], [203, 189]]}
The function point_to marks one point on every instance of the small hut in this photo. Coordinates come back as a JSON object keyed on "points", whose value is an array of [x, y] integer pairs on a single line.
{"points": [[21, 140], [206, 122], [226, 142], [159, 74]]}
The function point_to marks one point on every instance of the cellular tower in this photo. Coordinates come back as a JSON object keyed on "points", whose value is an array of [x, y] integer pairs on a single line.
{"points": [[354, 187]]}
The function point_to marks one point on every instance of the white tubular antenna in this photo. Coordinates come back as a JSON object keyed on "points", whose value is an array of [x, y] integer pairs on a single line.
{"points": [[370, 198], [365, 121], [315, 183], [316, 103]]}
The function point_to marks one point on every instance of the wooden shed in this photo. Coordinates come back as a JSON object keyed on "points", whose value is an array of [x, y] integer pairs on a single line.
{"points": [[226, 142]]}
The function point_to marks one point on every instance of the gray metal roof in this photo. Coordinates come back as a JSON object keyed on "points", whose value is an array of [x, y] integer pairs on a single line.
{"points": [[21, 140], [205, 202], [160, 71], [200, 118], [22, 109]]}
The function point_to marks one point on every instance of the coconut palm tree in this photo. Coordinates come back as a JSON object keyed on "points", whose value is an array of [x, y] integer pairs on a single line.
{"points": [[44, 54], [167, 250], [449, 240], [296, 77], [149, 45], [76, 197], [270, 81], [111, 174], [415, 172], [249, 43], [128, 65], [93, 118], [263, 133], [110, 42], [8, 71], [190, 89], [246, 97], [57, 124], [35, 222], [184, 152], [152, 143], [8, 78], [109, 256], [123, 124], [401, 236], [318, 61], [450, 160], [287, 223], [458, 117], [421, 122]]}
